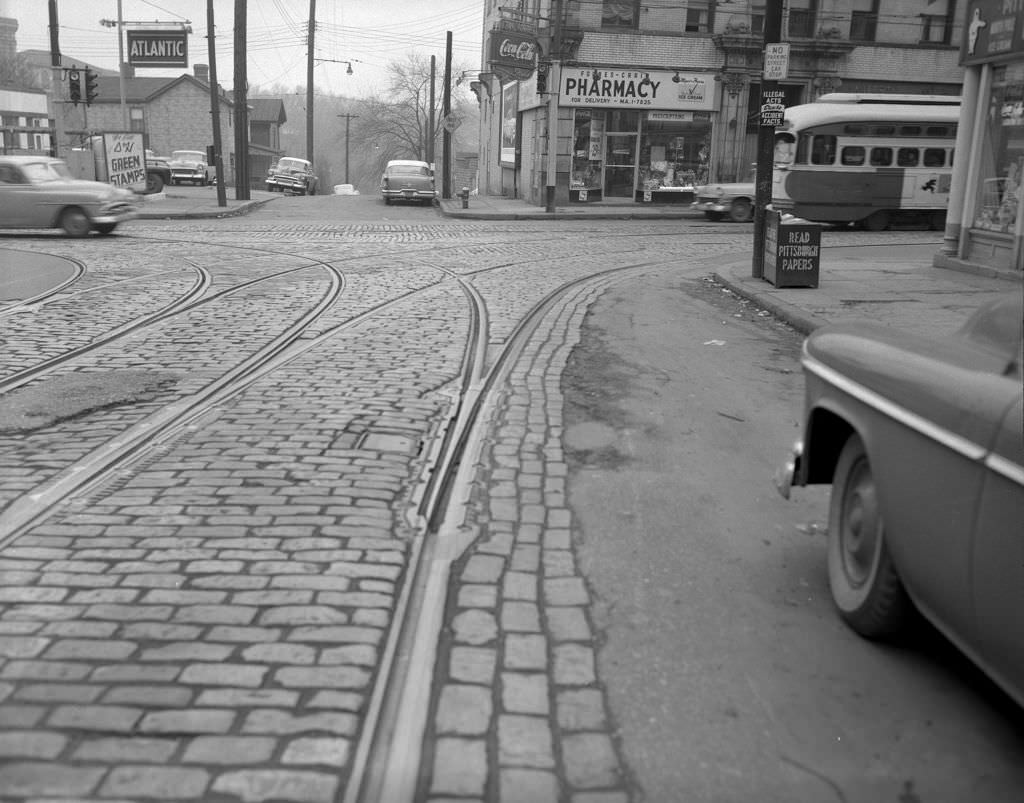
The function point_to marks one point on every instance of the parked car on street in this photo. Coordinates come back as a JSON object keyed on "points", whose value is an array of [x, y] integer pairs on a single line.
{"points": [[191, 167], [735, 200], [292, 175], [39, 192], [158, 172], [407, 180], [921, 439]]}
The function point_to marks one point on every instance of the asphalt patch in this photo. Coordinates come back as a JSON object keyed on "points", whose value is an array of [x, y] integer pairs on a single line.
{"points": [[61, 398]]}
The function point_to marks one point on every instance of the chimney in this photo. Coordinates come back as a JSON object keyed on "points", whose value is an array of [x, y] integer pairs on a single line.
{"points": [[8, 40], [202, 72]]}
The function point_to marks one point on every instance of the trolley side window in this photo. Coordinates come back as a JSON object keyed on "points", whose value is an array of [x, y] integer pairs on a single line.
{"points": [[881, 157], [853, 155], [934, 157], [823, 150], [907, 157]]}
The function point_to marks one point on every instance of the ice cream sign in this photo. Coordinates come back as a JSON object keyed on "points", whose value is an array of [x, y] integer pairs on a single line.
{"points": [[618, 89]]}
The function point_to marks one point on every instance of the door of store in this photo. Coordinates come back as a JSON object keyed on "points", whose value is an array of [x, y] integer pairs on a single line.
{"points": [[620, 165]]}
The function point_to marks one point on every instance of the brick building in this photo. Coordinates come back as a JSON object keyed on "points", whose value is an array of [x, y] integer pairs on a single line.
{"points": [[655, 97]]}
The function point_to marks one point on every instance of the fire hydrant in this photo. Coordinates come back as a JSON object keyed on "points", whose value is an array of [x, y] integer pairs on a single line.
{"points": [[464, 195]]}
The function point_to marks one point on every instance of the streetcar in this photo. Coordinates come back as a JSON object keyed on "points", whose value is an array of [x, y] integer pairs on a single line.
{"points": [[867, 160]]}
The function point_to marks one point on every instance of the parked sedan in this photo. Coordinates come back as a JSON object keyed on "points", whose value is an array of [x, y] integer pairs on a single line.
{"points": [[922, 441], [292, 175], [191, 167], [39, 192], [734, 200], [407, 180]]}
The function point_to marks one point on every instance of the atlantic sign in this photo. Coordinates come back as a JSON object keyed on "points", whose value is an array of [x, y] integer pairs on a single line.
{"points": [[629, 89], [158, 48]]}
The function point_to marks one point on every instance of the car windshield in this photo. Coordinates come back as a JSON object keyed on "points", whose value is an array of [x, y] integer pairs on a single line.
{"points": [[291, 164], [188, 156], [408, 170], [39, 172]]}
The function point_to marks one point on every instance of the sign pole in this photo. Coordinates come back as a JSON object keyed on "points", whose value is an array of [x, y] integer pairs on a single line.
{"points": [[766, 134]]}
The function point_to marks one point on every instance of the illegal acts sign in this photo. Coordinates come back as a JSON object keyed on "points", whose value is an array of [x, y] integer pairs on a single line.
{"points": [[158, 48]]}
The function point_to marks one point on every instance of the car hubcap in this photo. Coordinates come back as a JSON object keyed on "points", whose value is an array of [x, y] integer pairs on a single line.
{"points": [[860, 535]]}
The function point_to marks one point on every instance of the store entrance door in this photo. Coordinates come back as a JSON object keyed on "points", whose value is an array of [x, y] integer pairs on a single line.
{"points": [[620, 165]]}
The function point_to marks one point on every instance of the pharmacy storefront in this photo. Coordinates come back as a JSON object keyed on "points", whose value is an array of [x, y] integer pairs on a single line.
{"points": [[637, 134]]}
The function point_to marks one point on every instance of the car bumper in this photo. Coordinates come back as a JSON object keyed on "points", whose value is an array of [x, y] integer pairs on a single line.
{"points": [[188, 175], [710, 206], [117, 214], [286, 183], [786, 475], [409, 195]]}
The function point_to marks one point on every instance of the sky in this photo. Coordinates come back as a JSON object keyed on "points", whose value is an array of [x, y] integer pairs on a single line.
{"points": [[367, 33]]}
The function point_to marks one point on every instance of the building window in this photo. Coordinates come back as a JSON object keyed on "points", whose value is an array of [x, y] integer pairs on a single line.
{"points": [[757, 19], [863, 26], [620, 14], [137, 119], [697, 17], [934, 29], [802, 14]]}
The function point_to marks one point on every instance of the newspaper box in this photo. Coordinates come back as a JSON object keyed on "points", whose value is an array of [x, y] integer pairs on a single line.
{"points": [[792, 251]]}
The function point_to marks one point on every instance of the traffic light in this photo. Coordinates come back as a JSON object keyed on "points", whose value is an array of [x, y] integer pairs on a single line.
{"points": [[542, 77], [90, 86], [75, 85]]}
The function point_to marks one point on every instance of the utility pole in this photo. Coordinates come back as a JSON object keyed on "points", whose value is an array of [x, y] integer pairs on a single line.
{"points": [[58, 83], [218, 162], [432, 124], [765, 141], [446, 141], [121, 67], [554, 81], [241, 106], [348, 119], [309, 81]]}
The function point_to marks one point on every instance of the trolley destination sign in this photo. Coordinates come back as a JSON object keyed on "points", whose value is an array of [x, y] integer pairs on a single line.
{"points": [[158, 48]]}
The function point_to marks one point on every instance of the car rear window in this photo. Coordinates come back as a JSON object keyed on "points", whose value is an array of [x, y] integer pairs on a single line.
{"points": [[408, 170]]}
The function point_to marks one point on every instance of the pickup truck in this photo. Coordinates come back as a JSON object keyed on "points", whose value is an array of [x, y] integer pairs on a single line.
{"points": [[158, 173]]}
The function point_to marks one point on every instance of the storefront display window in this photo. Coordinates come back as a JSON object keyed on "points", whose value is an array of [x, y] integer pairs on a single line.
{"points": [[587, 151], [674, 152], [1002, 186]]}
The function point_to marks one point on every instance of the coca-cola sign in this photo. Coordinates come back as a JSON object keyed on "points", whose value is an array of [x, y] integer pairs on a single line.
{"points": [[513, 50]]}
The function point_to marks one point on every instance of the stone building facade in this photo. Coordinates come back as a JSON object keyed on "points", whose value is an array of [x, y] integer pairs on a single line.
{"points": [[647, 98]]}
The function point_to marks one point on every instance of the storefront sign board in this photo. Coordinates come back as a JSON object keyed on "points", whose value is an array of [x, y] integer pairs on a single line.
{"points": [[512, 54], [627, 89], [993, 31]]}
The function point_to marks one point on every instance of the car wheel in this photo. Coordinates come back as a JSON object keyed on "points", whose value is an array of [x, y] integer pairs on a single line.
{"points": [[387, 202], [154, 183], [741, 211], [877, 221], [106, 228], [75, 222], [715, 216], [865, 585]]}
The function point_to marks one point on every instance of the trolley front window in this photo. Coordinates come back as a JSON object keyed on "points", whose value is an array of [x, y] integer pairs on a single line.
{"points": [[823, 150]]}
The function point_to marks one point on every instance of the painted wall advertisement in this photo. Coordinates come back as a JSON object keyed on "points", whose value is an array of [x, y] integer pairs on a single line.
{"points": [[627, 89], [509, 109]]}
